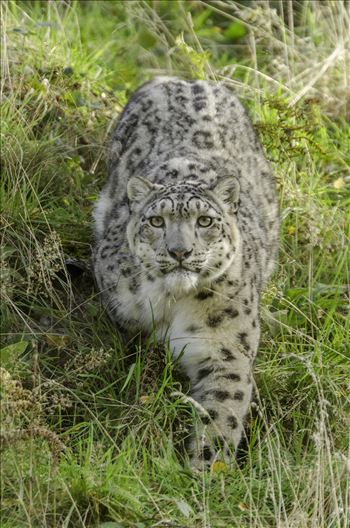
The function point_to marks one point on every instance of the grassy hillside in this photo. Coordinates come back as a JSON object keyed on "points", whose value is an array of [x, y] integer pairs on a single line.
{"points": [[92, 430]]}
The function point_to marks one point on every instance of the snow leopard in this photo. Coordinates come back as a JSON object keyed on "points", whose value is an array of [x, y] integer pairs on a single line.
{"points": [[186, 238]]}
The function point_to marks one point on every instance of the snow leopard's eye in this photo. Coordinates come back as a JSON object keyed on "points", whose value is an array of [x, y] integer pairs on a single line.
{"points": [[156, 221], [204, 221]]}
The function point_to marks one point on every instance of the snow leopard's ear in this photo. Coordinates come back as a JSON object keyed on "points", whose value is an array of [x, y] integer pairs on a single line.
{"points": [[228, 190], [138, 188]]}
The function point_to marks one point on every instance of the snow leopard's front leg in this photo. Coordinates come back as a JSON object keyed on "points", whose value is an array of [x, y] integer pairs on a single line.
{"points": [[219, 364], [224, 390]]}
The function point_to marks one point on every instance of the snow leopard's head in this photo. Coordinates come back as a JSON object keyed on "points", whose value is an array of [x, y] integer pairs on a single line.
{"points": [[185, 232]]}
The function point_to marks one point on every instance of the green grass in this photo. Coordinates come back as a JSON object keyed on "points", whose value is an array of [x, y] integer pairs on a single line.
{"points": [[93, 430]]}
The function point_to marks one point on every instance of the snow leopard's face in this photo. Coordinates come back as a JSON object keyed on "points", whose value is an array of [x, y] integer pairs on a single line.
{"points": [[183, 232]]}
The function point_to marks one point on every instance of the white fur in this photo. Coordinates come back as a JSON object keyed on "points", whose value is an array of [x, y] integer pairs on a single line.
{"points": [[101, 210]]}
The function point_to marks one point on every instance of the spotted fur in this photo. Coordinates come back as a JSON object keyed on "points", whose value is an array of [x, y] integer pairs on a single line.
{"points": [[186, 237]]}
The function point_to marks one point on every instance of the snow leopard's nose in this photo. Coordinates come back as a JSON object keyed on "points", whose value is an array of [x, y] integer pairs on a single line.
{"points": [[179, 254]]}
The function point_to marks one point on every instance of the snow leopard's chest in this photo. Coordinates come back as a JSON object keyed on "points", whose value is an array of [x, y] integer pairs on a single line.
{"points": [[159, 309], [156, 307]]}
